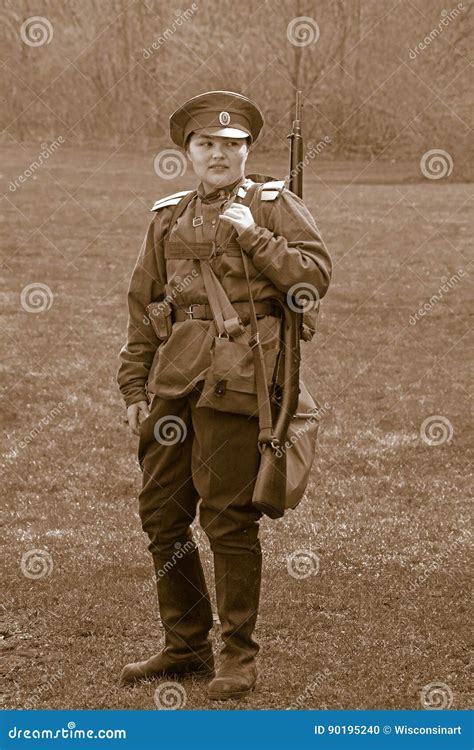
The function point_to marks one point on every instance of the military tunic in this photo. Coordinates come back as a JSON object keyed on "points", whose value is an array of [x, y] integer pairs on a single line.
{"points": [[284, 248]]}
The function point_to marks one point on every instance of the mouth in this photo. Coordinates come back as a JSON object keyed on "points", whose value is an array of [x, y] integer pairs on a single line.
{"points": [[218, 167]]}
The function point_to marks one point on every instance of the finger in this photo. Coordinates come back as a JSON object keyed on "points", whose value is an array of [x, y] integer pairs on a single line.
{"points": [[232, 216], [134, 428], [234, 211], [133, 423], [235, 207], [142, 416], [145, 409]]}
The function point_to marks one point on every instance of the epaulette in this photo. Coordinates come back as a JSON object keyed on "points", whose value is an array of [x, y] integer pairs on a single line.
{"points": [[170, 200], [271, 190]]}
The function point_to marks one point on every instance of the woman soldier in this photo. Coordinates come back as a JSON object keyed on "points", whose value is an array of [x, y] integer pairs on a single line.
{"points": [[193, 446]]}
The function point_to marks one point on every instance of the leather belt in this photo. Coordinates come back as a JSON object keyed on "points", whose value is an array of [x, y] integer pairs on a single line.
{"points": [[197, 311]]}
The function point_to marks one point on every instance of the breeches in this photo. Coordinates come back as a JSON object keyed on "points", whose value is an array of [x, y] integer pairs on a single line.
{"points": [[187, 454]]}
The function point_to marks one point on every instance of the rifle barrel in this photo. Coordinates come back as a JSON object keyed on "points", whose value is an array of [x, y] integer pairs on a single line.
{"points": [[296, 151]]}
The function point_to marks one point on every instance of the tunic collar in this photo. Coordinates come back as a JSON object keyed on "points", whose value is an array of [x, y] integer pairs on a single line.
{"points": [[220, 194]]}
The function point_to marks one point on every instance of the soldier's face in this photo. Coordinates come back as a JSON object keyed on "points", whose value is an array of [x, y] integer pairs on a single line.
{"points": [[217, 161]]}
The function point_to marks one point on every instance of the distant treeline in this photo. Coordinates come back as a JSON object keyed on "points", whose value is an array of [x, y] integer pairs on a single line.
{"points": [[379, 78]]}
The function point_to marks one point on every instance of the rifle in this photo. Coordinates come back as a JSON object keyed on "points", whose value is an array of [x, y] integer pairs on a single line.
{"points": [[296, 151], [270, 487]]}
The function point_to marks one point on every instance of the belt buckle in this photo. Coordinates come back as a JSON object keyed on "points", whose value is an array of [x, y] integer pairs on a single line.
{"points": [[189, 311]]}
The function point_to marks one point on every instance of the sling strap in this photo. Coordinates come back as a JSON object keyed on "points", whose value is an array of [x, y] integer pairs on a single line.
{"points": [[226, 318], [265, 422], [228, 322]]}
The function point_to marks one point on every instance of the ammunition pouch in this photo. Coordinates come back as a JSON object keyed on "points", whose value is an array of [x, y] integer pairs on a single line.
{"points": [[230, 383], [159, 315]]}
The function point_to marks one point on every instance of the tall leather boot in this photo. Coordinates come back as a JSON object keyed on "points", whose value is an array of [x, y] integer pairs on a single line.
{"points": [[238, 579], [186, 614]]}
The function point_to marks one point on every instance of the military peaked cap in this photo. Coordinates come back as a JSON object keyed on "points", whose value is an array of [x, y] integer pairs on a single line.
{"points": [[218, 113]]}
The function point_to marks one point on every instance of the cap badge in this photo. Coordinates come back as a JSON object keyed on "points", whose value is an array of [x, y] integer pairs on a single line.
{"points": [[224, 118]]}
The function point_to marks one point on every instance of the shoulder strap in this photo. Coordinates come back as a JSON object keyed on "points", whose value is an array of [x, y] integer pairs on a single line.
{"points": [[246, 194], [169, 200], [179, 210], [271, 190]]}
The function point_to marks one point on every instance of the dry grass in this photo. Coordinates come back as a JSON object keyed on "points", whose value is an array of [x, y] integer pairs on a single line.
{"points": [[382, 507]]}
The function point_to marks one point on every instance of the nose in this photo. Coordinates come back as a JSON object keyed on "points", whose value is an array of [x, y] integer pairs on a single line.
{"points": [[217, 152]]}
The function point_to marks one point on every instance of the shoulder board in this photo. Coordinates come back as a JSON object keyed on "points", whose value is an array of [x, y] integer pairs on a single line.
{"points": [[271, 190], [170, 200]]}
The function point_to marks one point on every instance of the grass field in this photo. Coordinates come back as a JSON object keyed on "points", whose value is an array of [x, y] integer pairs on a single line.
{"points": [[386, 512]]}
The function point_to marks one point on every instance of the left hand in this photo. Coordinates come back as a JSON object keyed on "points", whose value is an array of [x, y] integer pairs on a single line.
{"points": [[239, 216]]}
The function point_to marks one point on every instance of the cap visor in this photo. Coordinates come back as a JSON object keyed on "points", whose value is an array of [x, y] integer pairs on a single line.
{"points": [[223, 132]]}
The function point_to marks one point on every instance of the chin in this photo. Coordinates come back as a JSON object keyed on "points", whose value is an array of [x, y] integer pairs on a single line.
{"points": [[218, 178]]}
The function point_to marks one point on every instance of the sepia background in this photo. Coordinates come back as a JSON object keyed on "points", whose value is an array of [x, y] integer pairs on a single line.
{"points": [[364, 597]]}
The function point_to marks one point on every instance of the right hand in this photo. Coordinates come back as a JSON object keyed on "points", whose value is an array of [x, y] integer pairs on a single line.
{"points": [[136, 413]]}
